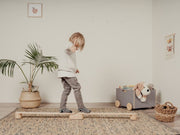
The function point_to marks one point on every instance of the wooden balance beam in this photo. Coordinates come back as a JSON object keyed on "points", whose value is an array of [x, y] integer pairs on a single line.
{"points": [[78, 116]]}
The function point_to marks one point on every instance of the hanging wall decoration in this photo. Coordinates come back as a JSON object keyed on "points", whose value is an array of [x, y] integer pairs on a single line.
{"points": [[35, 10], [170, 44]]}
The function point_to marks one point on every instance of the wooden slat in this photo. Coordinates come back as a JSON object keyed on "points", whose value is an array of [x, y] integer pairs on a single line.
{"points": [[45, 113], [19, 115], [108, 114], [132, 116]]}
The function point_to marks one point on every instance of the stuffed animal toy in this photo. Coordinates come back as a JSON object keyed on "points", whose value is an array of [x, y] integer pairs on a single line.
{"points": [[143, 90]]}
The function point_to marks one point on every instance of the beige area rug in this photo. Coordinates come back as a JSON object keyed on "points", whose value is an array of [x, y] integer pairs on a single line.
{"points": [[145, 125]]}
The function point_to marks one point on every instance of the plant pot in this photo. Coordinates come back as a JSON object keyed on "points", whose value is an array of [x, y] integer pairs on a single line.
{"points": [[30, 99]]}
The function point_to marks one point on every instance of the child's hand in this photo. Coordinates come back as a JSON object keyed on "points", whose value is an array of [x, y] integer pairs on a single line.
{"points": [[77, 71]]}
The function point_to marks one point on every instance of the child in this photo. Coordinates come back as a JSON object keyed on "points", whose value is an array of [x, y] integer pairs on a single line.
{"points": [[67, 73]]}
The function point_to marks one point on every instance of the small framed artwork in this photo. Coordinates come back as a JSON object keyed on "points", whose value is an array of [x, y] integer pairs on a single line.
{"points": [[35, 10], [170, 44]]}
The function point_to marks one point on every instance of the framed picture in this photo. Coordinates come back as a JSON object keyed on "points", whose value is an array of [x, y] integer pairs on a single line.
{"points": [[170, 44], [35, 10]]}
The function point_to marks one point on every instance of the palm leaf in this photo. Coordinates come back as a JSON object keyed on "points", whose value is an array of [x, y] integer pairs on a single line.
{"points": [[7, 67], [49, 65], [26, 62], [40, 62], [33, 53], [23, 82]]}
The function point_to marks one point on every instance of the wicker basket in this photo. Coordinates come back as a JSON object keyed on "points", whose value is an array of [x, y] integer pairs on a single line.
{"points": [[165, 112]]}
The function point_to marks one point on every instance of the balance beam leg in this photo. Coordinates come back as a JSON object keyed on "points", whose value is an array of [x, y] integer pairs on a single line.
{"points": [[77, 116], [133, 117], [18, 115]]}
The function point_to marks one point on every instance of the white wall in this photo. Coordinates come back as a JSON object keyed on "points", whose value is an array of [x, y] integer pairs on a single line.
{"points": [[118, 44], [166, 71]]}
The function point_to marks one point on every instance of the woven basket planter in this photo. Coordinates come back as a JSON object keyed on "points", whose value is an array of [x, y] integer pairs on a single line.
{"points": [[165, 112], [30, 99]]}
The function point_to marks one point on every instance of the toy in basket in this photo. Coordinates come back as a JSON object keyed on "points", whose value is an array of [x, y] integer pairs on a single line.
{"points": [[134, 97], [165, 112]]}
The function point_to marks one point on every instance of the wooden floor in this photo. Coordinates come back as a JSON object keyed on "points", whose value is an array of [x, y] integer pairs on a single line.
{"points": [[6, 108]]}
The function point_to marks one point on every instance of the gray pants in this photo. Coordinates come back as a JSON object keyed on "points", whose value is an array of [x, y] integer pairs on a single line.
{"points": [[68, 83]]}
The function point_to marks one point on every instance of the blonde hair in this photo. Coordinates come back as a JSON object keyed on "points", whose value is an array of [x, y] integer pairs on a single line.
{"points": [[77, 39]]}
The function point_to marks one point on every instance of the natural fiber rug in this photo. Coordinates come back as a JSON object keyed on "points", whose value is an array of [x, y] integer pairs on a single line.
{"points": [[144, 125]]}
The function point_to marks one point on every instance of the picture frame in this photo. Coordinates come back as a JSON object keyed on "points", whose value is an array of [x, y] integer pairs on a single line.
{"points": [[35, 10], [170, 44]]}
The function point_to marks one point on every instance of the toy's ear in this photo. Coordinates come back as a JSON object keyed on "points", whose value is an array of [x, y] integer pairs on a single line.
{"points": [[140, 85], [135, 87], [150, 86]]}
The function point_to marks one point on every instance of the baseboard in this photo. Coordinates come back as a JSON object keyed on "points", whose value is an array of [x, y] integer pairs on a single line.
{"points": [[75, 103]]}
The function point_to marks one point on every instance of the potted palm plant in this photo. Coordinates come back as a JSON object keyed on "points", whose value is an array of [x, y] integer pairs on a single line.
{"points": [[30, 97]]}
